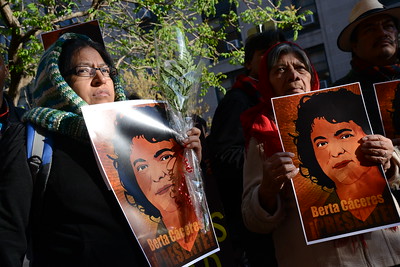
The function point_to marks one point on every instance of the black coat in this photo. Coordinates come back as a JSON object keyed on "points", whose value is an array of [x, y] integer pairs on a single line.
{"points": [[227, 149], [15, 191], [226, 144], [80, 222]]}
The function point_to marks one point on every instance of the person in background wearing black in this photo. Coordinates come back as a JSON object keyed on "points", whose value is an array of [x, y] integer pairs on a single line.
{"points": [[4, 106], [15, 180], [226, 145]]}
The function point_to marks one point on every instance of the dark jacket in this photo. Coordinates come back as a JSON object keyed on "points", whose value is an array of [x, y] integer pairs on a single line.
{"points": [[15, 191], [227, 144], [81, 223], [366, 81]]}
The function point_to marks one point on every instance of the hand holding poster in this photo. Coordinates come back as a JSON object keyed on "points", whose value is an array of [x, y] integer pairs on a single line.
{"points": [[338, 192], [146, 167]]}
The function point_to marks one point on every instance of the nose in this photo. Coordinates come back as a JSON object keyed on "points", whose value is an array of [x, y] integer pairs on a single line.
{"points": [[337, 150], [293, 74], [159, 174], [99, 79]]}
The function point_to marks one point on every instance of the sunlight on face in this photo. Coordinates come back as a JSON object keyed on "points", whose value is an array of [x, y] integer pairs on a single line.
{"points": [[93, 90], [289, 76]]}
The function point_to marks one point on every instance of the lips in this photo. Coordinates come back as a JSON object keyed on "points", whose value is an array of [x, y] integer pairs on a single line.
{"points": [[163, 189], [342, 164], [100, 93]]}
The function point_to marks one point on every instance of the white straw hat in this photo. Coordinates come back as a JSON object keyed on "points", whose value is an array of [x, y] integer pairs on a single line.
{"points": [[361, 11]]}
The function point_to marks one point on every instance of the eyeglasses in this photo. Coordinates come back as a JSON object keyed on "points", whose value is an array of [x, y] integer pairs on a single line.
{"points": [[86, 71]]}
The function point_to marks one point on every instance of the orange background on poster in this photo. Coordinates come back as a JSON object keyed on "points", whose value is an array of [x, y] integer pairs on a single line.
{"points": [[285, 109]]}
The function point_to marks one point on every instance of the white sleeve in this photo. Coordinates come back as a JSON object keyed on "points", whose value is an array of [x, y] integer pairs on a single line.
{"points": [[255, 217]]}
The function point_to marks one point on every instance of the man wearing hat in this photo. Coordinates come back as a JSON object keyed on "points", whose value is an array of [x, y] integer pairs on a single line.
{"points": [[372, 38]]}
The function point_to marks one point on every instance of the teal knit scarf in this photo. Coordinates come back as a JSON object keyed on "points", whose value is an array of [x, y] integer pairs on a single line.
{"points": [[57, 108]]}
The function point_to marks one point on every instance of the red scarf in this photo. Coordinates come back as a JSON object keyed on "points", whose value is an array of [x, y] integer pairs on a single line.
{"points": [[246, 84]]}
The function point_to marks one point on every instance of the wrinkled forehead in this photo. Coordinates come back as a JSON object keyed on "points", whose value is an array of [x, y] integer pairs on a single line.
{"points": [[292, 55], [280, 56]]}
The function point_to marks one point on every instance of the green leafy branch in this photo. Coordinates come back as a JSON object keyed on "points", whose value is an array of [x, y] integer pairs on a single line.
{"points": [[178, 80]]}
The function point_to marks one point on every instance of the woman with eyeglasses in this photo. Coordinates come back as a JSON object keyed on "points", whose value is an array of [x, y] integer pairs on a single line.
{"points": [[78, 221]]}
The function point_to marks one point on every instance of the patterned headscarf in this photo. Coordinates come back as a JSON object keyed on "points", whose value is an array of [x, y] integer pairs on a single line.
{"points": [[56, 106]]}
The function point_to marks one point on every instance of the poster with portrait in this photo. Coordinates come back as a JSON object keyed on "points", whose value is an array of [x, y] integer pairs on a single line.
{"points": [[388, 95], [338, 192], [145, 166]]}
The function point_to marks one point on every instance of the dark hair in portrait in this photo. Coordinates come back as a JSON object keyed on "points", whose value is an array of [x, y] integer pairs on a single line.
{"points": [[335, 107], [395, 112], [127, 129]]}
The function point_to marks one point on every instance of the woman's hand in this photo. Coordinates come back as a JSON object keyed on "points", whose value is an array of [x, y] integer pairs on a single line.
{"points": [[193, 141], [378, 149], [277, 170]]}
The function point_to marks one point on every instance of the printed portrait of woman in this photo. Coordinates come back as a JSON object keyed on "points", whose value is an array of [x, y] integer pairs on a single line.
{"points": [[329, 129], [150, 165]]}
